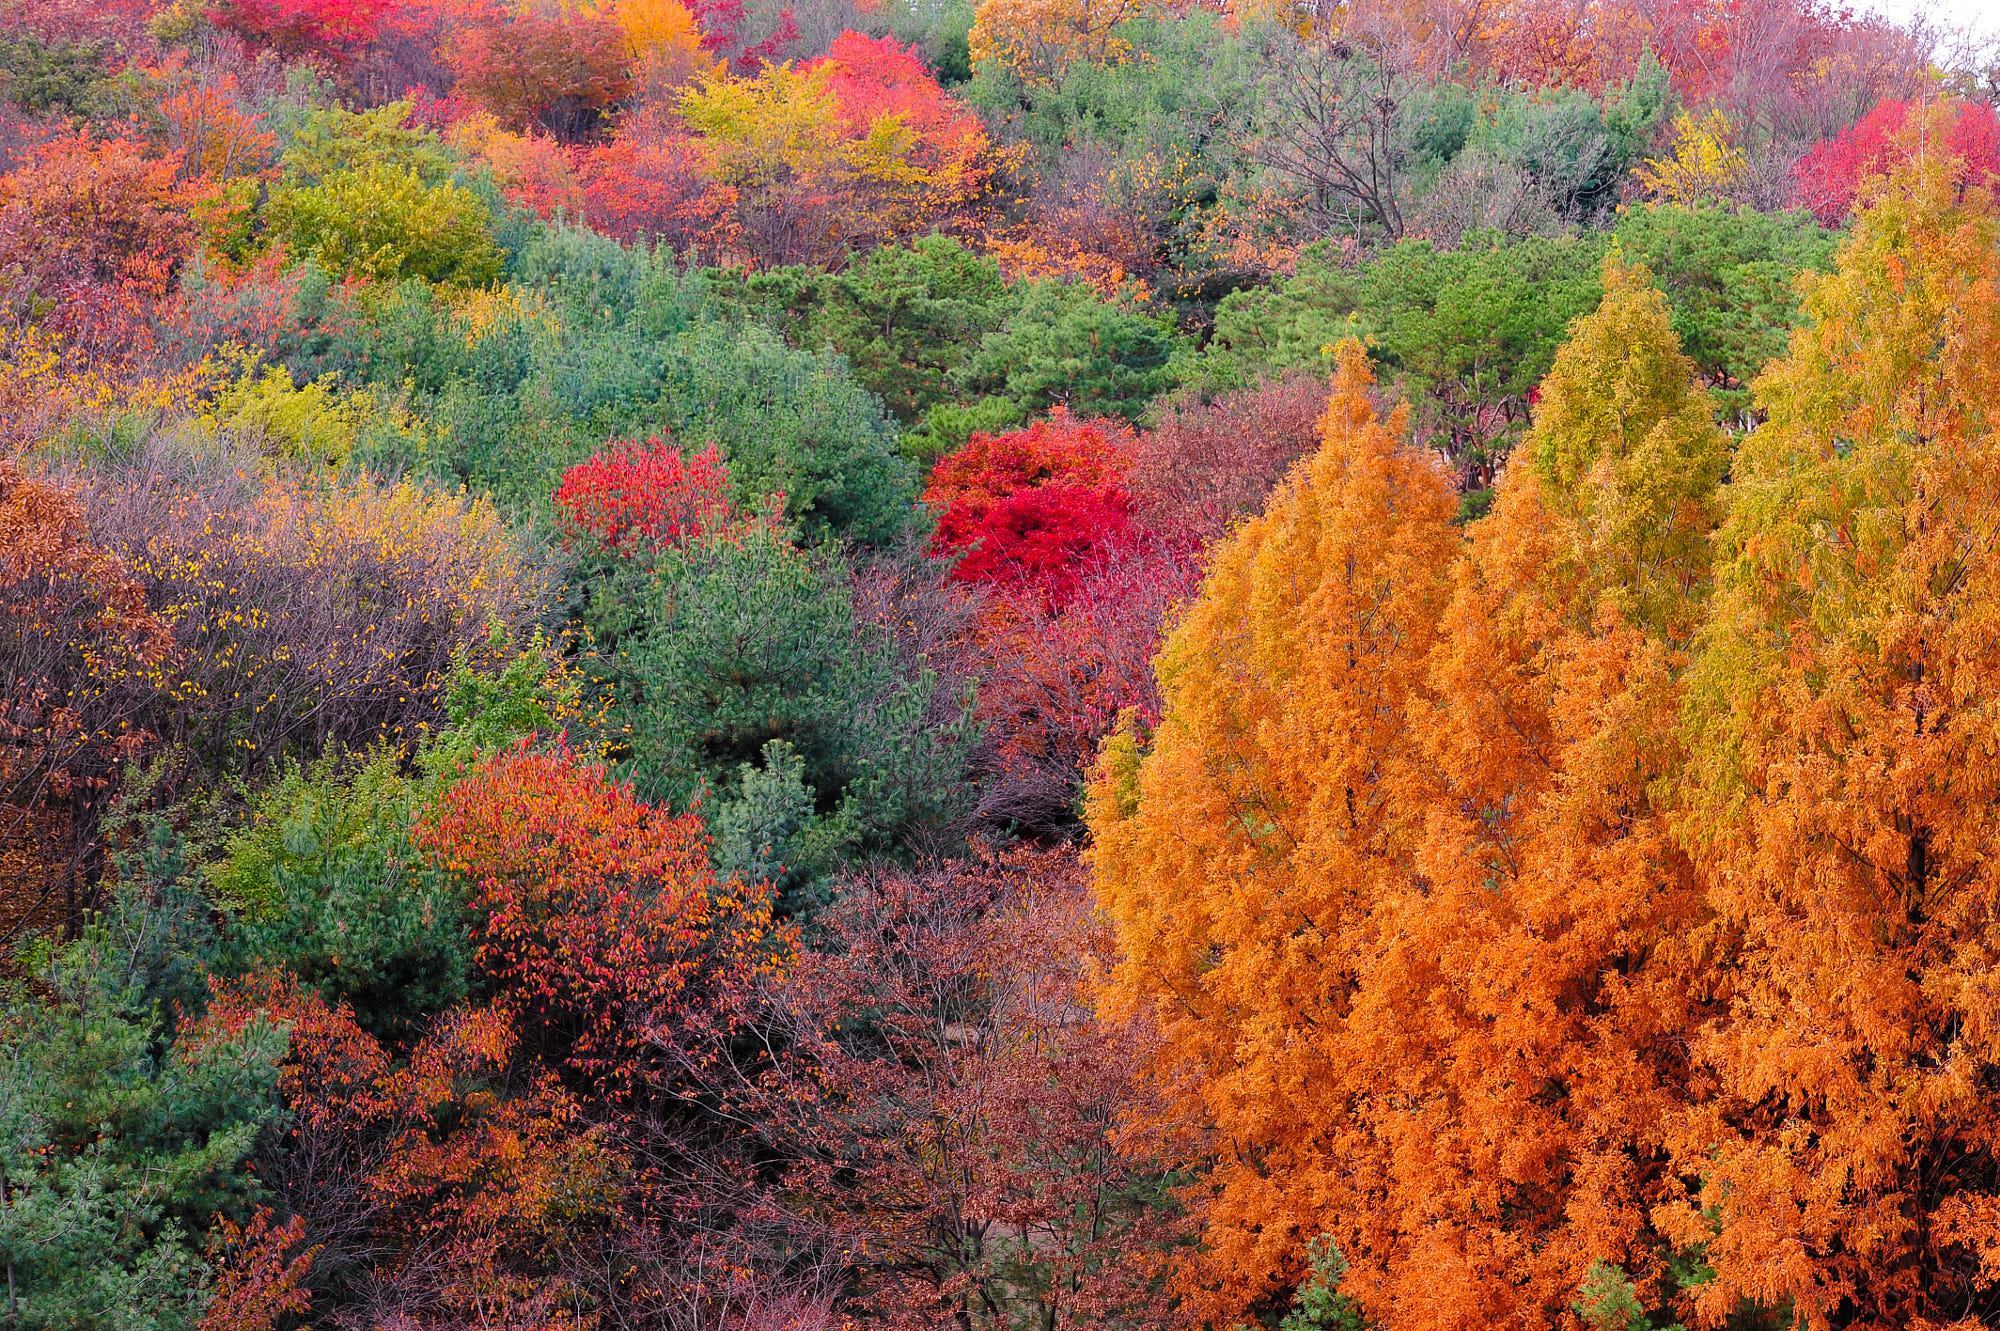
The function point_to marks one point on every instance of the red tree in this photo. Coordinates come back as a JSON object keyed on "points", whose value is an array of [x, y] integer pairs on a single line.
{"points": [[1025, 509], [957, 1109], [627, 491], [94, 233], [335, 28], [561, 74], [1829, 178], [602, 916], [1210, 463]]}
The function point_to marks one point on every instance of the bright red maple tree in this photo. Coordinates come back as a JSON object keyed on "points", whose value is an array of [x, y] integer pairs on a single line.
{"points": [[1829, 178], [629, 492]]}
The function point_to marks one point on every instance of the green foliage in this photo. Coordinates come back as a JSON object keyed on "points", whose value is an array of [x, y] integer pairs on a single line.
{"points": [[324, 882], [41, 75], [1065, 344], [730, 642], [767, 830], [329, 888], [792, 423], [1731, 276], [1607, 1301], [380, 221], [1466, 333], [1320, 1306], [118, 1147]]}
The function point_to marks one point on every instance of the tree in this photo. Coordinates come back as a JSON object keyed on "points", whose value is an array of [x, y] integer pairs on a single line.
{"points": [[1067, 346], [92, 236], [1730, 276], [1525, 1012], [1829, 179], [602, 916], [1210, 462], [338, 29], [1040, 42], [1028, 510], [749, 679], [381, 222], [955, 1113], [1706, 165], [1236, 855], [121, 1140], [1840, 801], [852, 149], [561, 74]]}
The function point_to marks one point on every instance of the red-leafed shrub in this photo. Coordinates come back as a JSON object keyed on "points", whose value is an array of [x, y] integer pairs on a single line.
{"points": [[1025, 509], [651, 491], [1061, 448], [1208, 464], [92, 236], [658, 193], [1038, 539], [1057, 673], [1829, 178], [875, 77], [599, 914]]}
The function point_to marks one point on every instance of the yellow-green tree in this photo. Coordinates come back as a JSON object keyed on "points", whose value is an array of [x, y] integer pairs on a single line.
{"points": [[1844, 712], [1237, 856]]}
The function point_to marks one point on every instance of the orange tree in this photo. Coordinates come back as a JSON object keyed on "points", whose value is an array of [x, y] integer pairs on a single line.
{"points": [[1237, 859], [1842, 712]]}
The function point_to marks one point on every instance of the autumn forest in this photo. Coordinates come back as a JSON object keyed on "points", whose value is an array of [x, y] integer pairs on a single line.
{"points": [[998, 665]]}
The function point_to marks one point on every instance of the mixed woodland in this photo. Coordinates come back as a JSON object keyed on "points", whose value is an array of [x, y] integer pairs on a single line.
{"points": [[1010, 665]]}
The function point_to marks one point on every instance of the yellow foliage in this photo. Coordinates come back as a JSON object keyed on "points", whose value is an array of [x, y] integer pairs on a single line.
{"points": [[44, 383], [1041, 40], [315, 421], [1705, 166]]}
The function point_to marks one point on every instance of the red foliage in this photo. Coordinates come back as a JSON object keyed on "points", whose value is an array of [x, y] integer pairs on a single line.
{"points": [[336, 28], [964, 1111], [1829, 178], [658, 192], [75, 633], [873, 77], [1208, 464], [600, 914], [561, 74], [260, 1278], [95, 233], [1060, 448], [1026, 508], [649, 490], [467, 1201], [1058, 673], [1038, 538]]}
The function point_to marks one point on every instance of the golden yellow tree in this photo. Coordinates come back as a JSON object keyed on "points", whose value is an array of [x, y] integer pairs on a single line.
{"points": [[1236, 857], [1845, 800], [1522, 1032]]}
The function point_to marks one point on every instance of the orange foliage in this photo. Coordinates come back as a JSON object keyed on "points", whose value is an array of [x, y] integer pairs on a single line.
{"points": [[1237, 860], [601, 914], [1842, 804], [92, 235]]}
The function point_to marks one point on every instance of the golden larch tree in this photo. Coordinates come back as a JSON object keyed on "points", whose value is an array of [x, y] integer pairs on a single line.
{"points": [[1237, 856], [1522, 1031], [1844, 711]]}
